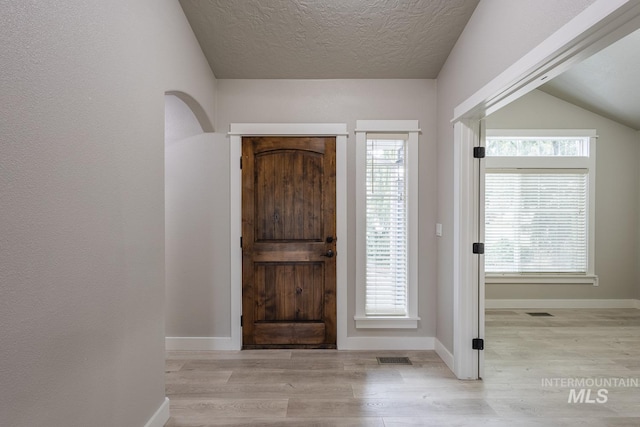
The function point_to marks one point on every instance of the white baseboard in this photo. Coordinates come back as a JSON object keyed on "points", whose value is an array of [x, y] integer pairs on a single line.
{"points": [[352, 343], [444, 353], [561, 303], [199, 343], [161, 416], [387, 343]]}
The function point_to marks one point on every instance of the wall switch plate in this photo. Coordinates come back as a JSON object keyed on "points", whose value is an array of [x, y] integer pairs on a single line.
{"points": [[439, 230]]}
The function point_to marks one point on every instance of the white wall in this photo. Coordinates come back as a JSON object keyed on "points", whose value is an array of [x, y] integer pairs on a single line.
{"points": [[316, 101], [82, 217], [498, 34], [616, 216]]}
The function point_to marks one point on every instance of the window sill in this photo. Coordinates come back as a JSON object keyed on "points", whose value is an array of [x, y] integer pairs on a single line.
{"points": [[386, 322], [541, 279]]}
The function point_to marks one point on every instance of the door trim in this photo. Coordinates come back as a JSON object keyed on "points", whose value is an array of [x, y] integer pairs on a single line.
{"points": [[237, 131]]}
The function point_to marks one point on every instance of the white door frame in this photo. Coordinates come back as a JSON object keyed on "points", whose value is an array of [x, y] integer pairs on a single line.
{"points": [[598, 26], [237, 131]]}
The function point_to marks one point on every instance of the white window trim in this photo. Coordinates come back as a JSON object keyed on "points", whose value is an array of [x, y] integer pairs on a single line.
{"points": [[410, 127], [587, 162], [541, 279]]}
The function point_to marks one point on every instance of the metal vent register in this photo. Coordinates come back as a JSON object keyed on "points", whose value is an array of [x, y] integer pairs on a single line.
{"points": [[393, 361]]}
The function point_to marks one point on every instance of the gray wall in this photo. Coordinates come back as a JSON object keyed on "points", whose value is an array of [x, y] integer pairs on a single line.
{"points": [[638, 229], [498, 34], [196, 224], [82, 217], [616, 216]]}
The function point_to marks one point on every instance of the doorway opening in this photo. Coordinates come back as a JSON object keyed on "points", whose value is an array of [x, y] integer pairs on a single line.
{"points": [[191, 261], [578, 40], [549, 269]]}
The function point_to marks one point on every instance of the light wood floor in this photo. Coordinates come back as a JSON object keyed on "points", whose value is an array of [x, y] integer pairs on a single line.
{"points": [[345, 388]]}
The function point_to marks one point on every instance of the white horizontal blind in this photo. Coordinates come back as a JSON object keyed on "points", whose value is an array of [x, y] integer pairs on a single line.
{"points": [[386, 227], [536, 221]]}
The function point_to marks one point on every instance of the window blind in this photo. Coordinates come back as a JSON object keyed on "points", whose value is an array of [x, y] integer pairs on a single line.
{"points": [[536, 221], [386, 227]]}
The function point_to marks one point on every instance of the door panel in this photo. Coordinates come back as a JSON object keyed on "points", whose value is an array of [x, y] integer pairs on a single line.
{"points": [[289, 196], [289, 291], [288, 222]]}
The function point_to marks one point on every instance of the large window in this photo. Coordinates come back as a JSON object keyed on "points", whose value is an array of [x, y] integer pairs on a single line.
{"points": [[539, 206], [387, 224]]}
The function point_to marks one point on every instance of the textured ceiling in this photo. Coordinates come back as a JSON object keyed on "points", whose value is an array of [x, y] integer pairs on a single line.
{"points": [[324, 39], [607, 83]]}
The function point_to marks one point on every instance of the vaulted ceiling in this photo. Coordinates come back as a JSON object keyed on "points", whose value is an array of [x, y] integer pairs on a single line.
{"points": [[608, 83], [327, 39]]}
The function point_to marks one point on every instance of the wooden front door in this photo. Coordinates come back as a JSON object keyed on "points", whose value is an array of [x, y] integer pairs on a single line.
{"points": [[288, 242]]}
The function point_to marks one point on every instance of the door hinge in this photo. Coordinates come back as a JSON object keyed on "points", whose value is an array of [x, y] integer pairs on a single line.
{"points": [[241, 321], [477, 344], [241, 241], [240, 162], [479, 153], [478, 248]]}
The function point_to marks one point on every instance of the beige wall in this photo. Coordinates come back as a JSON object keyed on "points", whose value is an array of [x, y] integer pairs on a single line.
{"points": [[616, 216], [82, 217], [316, 101], [498, 34]]}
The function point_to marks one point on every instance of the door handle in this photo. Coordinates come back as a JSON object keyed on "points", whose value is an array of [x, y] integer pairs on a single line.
{"points": [[329, 254]]}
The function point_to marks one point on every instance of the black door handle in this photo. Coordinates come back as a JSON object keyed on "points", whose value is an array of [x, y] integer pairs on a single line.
{"points": [[329, 254]]}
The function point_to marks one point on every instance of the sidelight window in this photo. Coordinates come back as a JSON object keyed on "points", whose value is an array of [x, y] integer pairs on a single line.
{"points": [[387, 224]]}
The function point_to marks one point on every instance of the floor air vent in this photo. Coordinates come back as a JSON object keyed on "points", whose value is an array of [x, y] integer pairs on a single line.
{"points": [[539, 314], [393, 361]]}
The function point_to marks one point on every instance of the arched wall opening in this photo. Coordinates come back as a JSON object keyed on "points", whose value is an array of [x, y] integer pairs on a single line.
{"points": [[198, 112], [194, 259]]}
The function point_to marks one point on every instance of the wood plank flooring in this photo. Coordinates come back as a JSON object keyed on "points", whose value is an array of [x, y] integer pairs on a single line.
{"points": [[349, 388]]}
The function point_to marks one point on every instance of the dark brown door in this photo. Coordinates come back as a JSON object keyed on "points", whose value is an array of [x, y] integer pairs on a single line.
{"points": [[289, 242]]}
